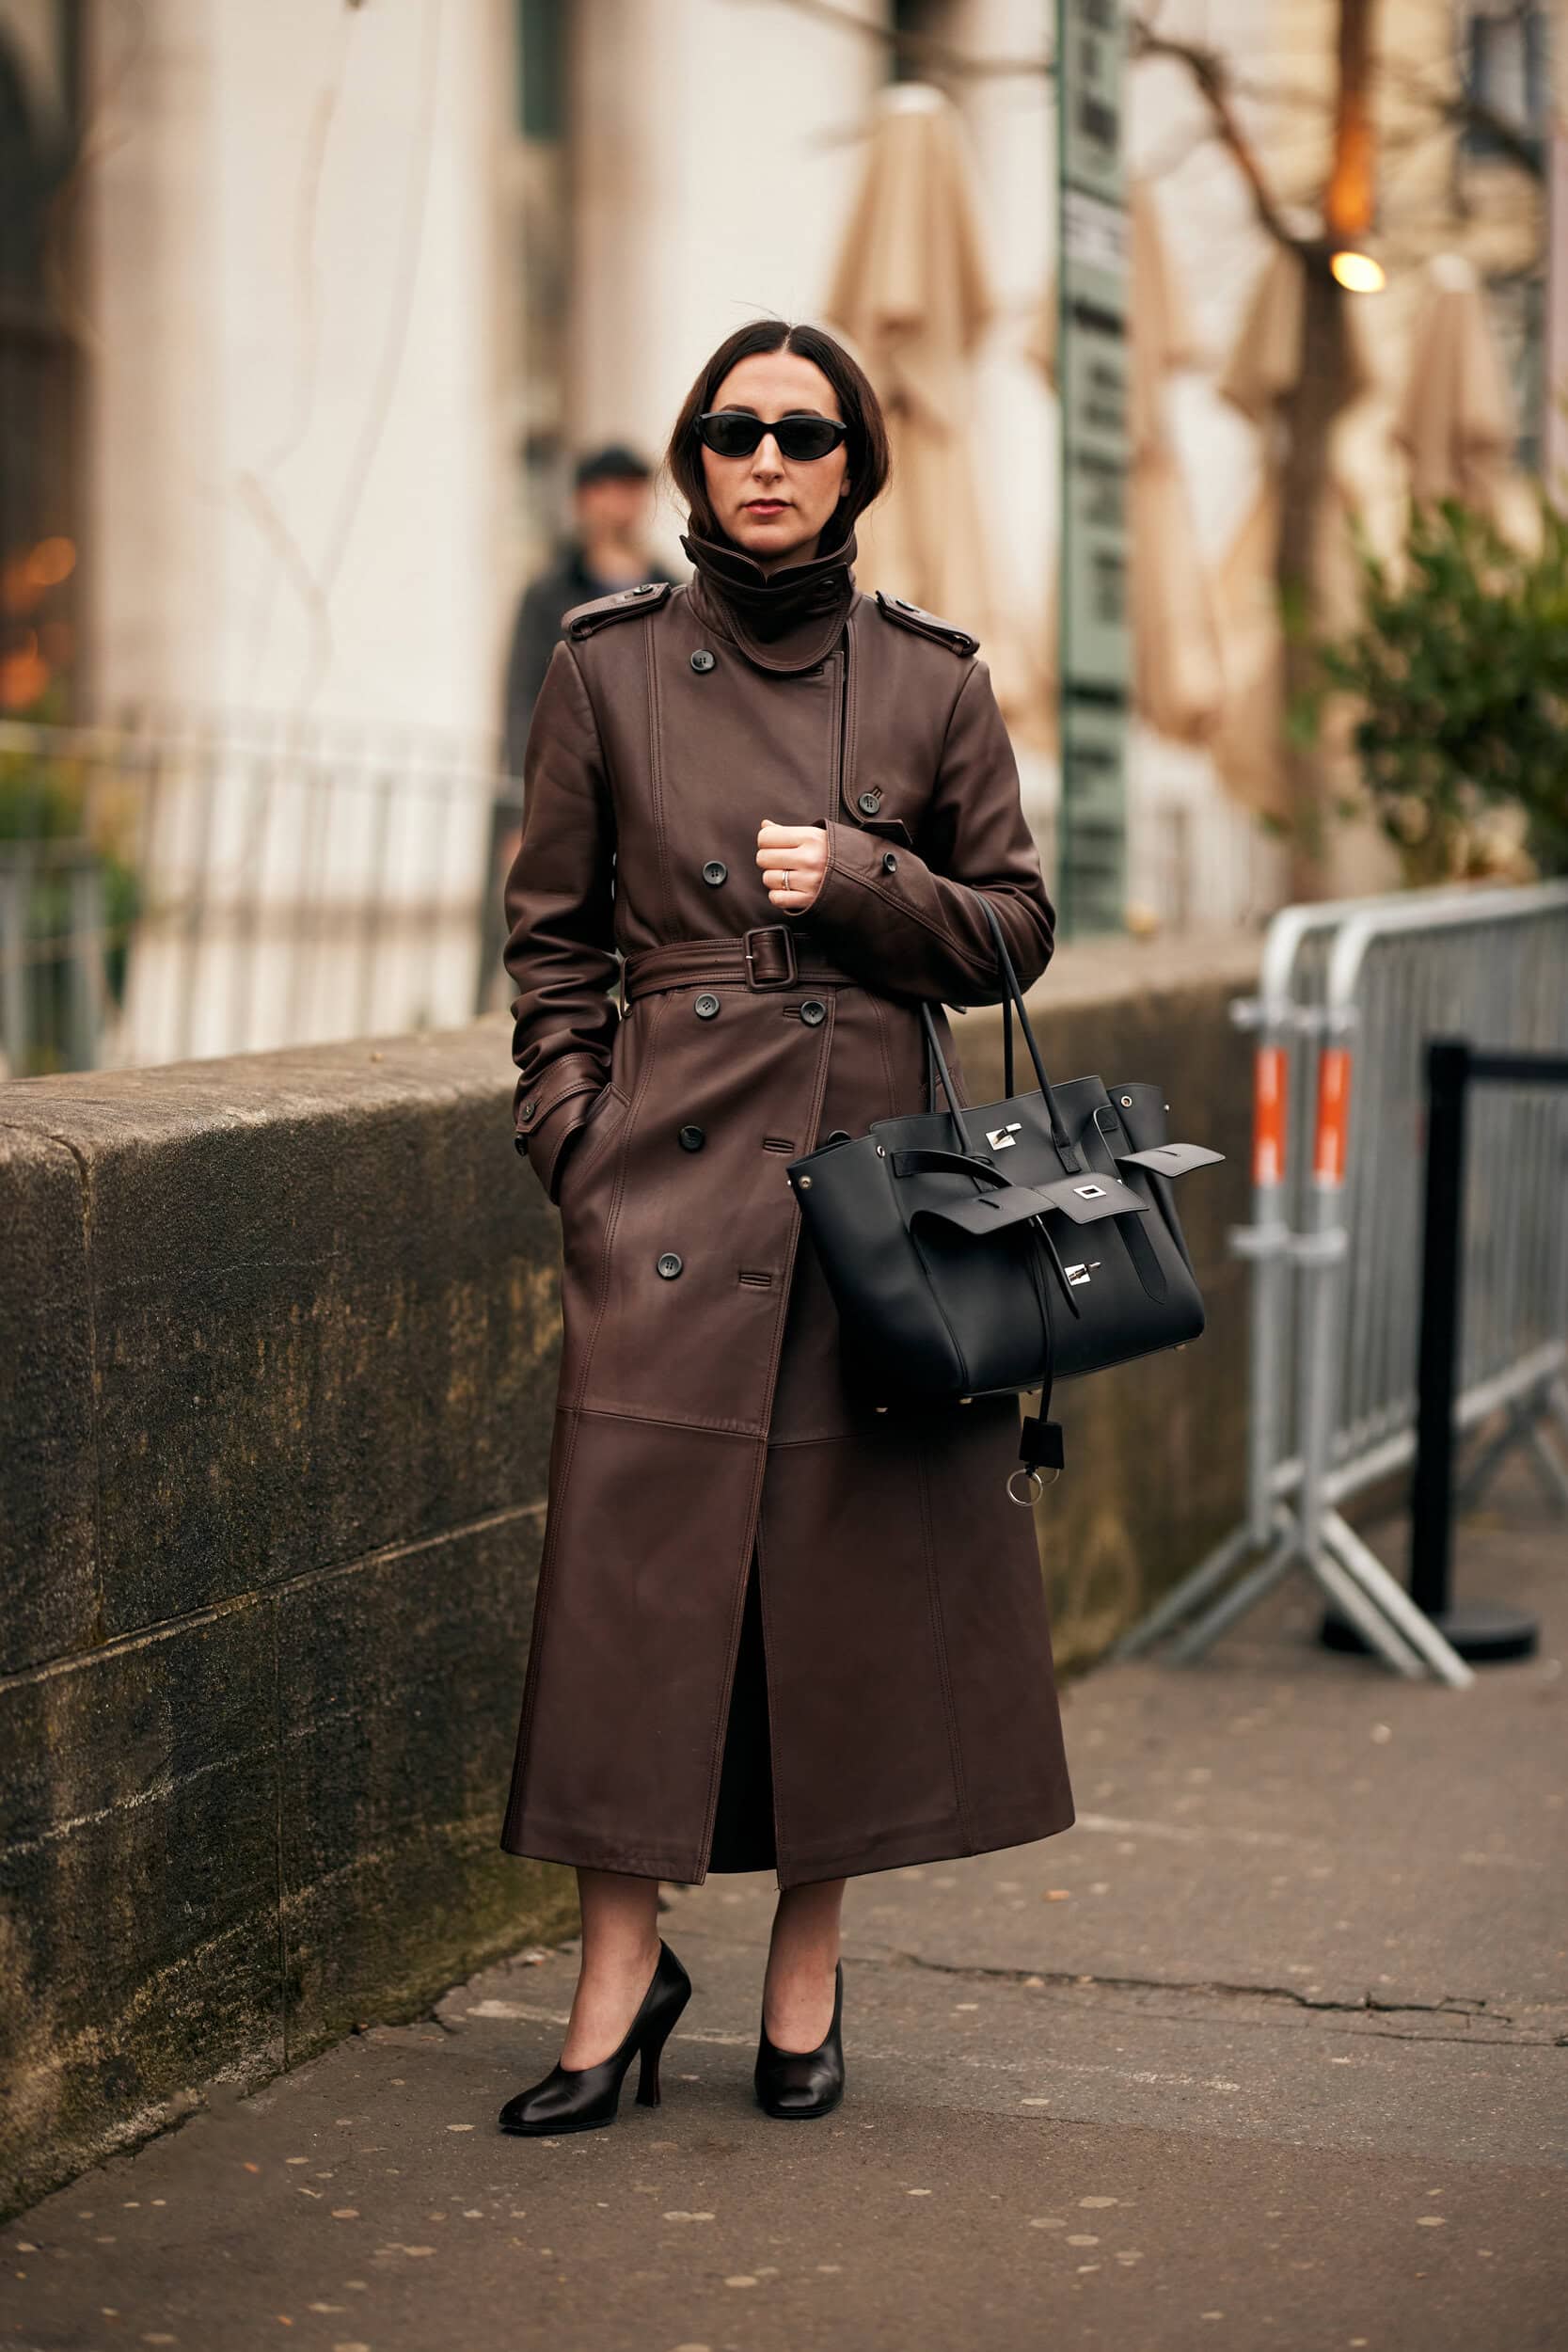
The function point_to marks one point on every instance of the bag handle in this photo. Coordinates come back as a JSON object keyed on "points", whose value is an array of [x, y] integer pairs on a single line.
{"points": [[935, 1066], [1067, 1152]]}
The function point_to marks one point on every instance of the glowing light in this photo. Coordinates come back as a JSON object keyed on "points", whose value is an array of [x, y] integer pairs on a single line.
{"points": [[1358, 273], [51, 561], [24, 675]]}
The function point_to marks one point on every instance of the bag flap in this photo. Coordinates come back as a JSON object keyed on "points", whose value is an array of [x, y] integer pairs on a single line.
{"points": [[1170, 1159], [988, 1212], [1083, 1200], [1086, 1199]]}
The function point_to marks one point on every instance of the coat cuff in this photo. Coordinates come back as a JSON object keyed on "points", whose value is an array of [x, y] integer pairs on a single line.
{"points": [[551, 1109], [875, 913]]}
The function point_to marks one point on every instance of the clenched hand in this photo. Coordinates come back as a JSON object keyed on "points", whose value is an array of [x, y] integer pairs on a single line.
{"points": [[793, 863]]}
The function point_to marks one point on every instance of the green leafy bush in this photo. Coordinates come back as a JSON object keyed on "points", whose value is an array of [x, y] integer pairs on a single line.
{"points": [[1457, 673]]}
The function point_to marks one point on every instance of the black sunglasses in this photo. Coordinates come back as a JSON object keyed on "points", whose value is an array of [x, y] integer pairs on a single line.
{"points": [[735, 433]]}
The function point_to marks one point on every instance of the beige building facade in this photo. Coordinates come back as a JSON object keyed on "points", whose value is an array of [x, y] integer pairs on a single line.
{"points": [[348, 286]]}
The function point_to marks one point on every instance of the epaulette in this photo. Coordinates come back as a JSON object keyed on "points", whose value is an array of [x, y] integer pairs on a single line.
{"points": [[911, 616], [584, 619]]}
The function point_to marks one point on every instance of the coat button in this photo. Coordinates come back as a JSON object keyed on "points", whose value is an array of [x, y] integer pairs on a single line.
{"points": [[702, 660], [870, 802], [670, 1264], [814, 1010], [716, 871], [890, 864], [529, 1109], [691, 1139], [704, 1006]]}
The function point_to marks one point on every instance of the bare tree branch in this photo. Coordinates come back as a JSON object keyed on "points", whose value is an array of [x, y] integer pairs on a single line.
{"points": [[1452, 107], [1459, 109], [1213, 78]]}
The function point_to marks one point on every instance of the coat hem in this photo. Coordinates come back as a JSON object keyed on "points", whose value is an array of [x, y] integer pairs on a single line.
{"points": [[543, 1842], [931, 1841]]}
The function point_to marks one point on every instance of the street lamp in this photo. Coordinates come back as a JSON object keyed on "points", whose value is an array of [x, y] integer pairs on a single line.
{"points": [[1358, 273]]}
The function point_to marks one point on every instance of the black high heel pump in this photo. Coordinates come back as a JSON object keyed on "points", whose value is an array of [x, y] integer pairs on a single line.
{"points": [[580, 2097], [796, 2083]]}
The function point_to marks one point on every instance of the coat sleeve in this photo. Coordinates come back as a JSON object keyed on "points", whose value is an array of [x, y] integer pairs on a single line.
{"points": [[560, 914], [910, 921]]}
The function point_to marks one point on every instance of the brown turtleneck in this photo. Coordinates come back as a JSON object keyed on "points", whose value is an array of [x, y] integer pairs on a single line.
{"points": [[785, 620]]}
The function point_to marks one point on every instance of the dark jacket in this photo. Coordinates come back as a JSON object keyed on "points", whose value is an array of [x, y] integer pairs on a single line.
{"points": [[536, 633], [702, 1407]]}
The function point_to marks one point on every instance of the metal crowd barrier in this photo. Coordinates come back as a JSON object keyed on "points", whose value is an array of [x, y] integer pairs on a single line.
{"points": [[1355, 986]]}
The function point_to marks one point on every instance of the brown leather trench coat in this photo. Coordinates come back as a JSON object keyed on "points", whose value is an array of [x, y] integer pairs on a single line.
{"points": [[701, 1409]]}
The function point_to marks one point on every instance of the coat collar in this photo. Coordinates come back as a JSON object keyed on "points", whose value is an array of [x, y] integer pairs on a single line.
{"points": [[787, 619]]}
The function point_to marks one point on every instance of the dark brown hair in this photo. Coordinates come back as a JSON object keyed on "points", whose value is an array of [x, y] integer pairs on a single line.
{"points": [[867, 456]]}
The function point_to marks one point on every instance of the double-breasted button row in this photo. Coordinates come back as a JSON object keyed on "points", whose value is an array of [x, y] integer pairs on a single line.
{"points": [[706, 1008]]}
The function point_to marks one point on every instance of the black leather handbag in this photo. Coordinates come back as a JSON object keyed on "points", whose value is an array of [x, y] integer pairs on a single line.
{"points": [[995, 1249]]}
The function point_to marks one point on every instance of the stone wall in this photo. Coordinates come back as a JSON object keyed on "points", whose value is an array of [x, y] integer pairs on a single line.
{"points": [[278, 1348]]}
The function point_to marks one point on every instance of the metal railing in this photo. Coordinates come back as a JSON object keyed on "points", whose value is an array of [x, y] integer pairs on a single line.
{"points": [[1357, 987], [180, 885], [183, 886]]}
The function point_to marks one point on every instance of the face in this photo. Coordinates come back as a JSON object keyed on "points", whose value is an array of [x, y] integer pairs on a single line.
{"points": [[614, 508], [773, 506]]}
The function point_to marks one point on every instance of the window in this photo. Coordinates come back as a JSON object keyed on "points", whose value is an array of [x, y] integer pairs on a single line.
{"points": [[1506, 74]]}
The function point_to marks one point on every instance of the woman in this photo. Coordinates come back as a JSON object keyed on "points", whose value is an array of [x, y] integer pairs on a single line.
{"points": [[776, 1626]]}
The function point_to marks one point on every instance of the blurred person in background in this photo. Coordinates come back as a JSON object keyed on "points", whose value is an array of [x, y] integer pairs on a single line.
{"points": [[606, 547], [779, 1623]]}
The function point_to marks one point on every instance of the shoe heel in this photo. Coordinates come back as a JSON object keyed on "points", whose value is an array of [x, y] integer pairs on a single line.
{"points": [[653, 2050]]}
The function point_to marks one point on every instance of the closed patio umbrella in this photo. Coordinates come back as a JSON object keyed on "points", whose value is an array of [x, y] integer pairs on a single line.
{"points": [[912, 293], [1455, 419], [1178, 684]]}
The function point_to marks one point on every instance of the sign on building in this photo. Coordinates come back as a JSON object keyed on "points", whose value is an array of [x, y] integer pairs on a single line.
{"points": [[1092, 374]]}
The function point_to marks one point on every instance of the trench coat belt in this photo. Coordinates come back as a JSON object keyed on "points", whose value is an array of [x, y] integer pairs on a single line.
{"points": [[765, 958]]}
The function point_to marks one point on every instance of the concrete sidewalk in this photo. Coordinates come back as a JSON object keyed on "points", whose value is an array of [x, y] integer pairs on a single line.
{"points": [[1269, 2049]]}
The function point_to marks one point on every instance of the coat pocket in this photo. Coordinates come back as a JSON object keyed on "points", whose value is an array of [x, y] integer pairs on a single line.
{"points": [[587, 1141]]}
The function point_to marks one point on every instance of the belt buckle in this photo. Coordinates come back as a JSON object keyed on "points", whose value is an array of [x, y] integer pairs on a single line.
{"points": [[786, 978]]}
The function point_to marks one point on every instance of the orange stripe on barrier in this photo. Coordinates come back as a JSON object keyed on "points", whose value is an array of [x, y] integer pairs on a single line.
{"points": [[1328, 1155], [1268, 1115]]}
